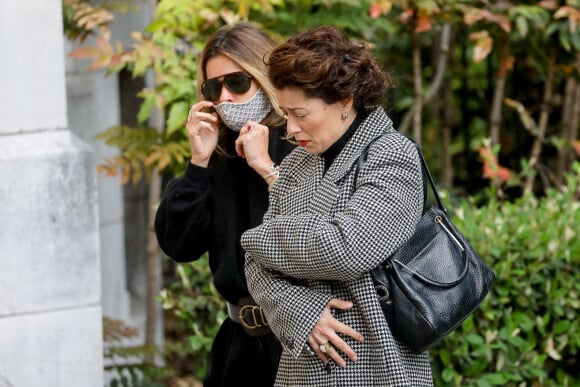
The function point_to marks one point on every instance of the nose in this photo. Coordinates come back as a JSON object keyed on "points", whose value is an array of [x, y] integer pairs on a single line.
{"points": [[291, 126], [226, 95]]}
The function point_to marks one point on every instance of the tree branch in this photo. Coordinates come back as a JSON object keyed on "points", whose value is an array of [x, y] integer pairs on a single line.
{"points": [[435, 84]]}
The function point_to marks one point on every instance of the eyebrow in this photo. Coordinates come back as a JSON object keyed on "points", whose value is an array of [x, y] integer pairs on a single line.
{"points": [[231, 72], [293, 109]]}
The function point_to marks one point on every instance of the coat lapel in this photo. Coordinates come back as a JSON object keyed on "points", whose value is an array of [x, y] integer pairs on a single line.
{"points": [[368, 130], [324, 198], [307, 179]]}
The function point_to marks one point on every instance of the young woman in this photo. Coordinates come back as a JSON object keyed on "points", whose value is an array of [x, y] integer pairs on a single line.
{"points": [[308, 264], [236, 134]]}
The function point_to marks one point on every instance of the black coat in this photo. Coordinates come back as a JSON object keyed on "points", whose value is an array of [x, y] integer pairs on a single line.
{"points": [[208, 209]]}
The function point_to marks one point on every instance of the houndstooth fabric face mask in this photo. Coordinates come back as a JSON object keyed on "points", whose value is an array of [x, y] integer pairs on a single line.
{"points": [[236, 115]]}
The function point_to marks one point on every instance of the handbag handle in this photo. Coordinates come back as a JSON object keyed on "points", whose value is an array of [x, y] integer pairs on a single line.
{"points": [[363, 158]]}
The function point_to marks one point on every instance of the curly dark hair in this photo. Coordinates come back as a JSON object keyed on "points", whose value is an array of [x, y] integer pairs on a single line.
{"points": [[325, 64]]}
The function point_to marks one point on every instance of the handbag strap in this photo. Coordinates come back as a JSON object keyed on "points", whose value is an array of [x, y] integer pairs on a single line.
{"points": [[363, 158]]}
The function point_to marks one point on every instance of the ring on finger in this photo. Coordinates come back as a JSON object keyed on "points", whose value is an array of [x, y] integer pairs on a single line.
{"points": [[190, 113], [325, 347]]}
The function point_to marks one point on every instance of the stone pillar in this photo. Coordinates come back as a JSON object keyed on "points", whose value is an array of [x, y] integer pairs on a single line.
{"points": [[93, 106], [50, 310]]}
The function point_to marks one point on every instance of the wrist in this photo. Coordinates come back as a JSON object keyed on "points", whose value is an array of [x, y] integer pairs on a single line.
{"points": [[272, 173], [263, 166], [199, 163]]}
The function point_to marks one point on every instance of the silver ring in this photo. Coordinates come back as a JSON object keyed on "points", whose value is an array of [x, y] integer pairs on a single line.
{"points": [[324, 348]]}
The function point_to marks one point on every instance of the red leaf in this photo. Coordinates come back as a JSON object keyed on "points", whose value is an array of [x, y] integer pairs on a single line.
{"points": [[503, 174], [548, 4], [483, 45], [406, 16], [85, 52], [506, 65], [576, 146], [375, 10], [423, 23], [491, 168], [481, 14], [104, 45], [100, 63]]}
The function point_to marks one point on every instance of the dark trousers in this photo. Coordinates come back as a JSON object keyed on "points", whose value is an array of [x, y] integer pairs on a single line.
{"points": [[238, 359]]}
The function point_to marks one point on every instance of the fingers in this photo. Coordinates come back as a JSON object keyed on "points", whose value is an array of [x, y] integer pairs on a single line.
{"points": [[337, 303], [254, 129], [239, 144], [333, 353], [252, 144], [325, 340], [333, 348], [315, 345], [350, 332], [202, 132], [197, 119], [338, 346]]}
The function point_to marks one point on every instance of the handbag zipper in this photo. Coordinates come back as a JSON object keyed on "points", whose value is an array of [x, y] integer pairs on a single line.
{"points": [[438, 220]]}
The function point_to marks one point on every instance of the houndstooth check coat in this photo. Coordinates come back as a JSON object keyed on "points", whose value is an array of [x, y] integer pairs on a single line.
{"points": [[321, 236]]}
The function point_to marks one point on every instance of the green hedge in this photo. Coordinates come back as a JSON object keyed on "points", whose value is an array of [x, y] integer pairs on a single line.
{"points": [[526, 332], [194, 314]]}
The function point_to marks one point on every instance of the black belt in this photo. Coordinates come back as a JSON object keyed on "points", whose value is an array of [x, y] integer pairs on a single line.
{"points": [[250, 316]]}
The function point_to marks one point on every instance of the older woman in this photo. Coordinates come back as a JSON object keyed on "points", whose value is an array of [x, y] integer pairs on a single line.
{"points": [[308, 264]]}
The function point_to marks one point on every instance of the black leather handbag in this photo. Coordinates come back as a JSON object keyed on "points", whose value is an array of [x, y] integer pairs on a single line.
{"points": [[432, 283]]}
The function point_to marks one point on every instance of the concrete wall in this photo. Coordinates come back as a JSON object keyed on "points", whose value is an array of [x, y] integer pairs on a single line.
{"points": [[50, 311], [94, 104]]}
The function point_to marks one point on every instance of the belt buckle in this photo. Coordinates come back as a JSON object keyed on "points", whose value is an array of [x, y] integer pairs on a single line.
{"points": [[254, 310]]}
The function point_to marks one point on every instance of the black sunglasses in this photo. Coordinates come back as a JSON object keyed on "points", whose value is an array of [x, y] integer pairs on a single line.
{"points": [[237, 83]]}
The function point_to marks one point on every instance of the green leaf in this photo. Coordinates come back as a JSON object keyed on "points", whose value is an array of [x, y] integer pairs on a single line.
{"points": [[495, 379], [564, 41], [445, 357], [146, 107], [448, 374], [561, 326], [522, 26], [475, 340], [177, 116]]}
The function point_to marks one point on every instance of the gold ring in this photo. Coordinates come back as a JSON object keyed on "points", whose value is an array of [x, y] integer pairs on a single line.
{"points": [[324, 348]]}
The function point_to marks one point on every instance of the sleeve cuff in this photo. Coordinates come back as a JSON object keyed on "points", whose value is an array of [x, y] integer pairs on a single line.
{"points": [[196, 176]]}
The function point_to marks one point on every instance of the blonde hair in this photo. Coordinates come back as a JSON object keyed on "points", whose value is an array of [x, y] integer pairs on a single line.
{"points": [[246, 45]]}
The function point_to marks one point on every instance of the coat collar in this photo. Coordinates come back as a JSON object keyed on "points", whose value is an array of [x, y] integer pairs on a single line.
{"points": [[374, 125]]}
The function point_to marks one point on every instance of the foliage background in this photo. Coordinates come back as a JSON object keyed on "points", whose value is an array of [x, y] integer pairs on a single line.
{"points": [[489, 88]]}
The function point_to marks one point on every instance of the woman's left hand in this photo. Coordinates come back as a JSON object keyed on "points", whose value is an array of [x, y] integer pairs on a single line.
{"points": [[325, 340], [252, 145]]}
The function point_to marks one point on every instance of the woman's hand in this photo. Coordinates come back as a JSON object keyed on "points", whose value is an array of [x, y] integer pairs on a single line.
{"points": [[202, 128], [324, 339], [252, 145]]}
